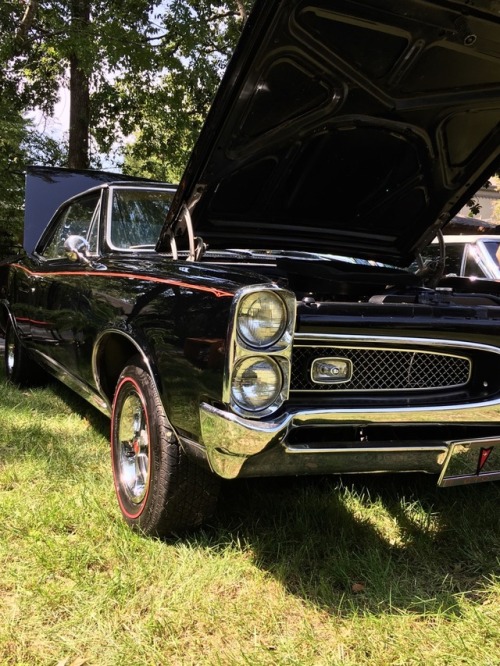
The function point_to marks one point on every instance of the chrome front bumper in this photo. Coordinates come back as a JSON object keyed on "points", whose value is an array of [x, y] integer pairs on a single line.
{"points": [[237, 446]]}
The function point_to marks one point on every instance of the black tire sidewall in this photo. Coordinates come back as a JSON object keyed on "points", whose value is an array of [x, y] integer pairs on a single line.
{"points": [[181, 494], [135, 378]]}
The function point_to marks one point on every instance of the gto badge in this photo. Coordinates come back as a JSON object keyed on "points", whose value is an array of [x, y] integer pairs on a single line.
{"points": [[331, 370]]}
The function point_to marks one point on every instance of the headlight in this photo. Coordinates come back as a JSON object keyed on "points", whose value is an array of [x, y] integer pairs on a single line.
{"points": [[257, 383], [262, 319]]}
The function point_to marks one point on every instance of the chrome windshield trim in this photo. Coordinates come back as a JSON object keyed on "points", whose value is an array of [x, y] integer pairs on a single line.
{"points": [[109, 214]]}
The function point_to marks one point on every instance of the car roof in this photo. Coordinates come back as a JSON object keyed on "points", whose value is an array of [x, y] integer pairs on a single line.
{"points": [[47, 188]]}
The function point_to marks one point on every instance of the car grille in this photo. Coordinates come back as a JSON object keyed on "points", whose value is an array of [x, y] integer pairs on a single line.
{"points": [[382, 369]]}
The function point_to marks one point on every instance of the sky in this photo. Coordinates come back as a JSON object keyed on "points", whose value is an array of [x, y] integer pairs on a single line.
{"points": [[57, 125]]}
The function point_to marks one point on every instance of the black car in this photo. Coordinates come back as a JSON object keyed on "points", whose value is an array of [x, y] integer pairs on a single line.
{"points": [[218, 326]]}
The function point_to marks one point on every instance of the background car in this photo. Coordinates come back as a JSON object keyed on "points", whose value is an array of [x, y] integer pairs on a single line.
{"points": [[472, 256]]}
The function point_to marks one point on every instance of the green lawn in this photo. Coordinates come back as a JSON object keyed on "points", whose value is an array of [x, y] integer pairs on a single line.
{"points": [[363, 570]]}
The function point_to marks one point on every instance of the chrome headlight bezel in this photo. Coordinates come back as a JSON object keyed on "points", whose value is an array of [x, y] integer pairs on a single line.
{"points": [[241, 379], [261, 313], [277, 346]]}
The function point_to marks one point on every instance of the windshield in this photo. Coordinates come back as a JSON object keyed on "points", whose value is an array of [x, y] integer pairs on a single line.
{"points": [[137, 217]]}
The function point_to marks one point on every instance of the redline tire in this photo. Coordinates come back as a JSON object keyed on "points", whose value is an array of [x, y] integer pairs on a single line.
{"points": [[160, 490]]}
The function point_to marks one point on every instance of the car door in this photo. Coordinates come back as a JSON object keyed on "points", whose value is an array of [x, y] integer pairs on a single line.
{"points": [[61, 296]]}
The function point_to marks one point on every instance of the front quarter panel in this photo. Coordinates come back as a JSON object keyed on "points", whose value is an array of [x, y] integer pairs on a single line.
{"points": [[177, 315]]}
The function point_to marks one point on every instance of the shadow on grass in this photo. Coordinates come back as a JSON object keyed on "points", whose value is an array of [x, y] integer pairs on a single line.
{"points": [[38, 432], [390, 543], [96, 419], [350, 545]]}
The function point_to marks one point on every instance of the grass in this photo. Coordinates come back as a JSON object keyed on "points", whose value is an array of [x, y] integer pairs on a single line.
{"points": [[364, 570]]}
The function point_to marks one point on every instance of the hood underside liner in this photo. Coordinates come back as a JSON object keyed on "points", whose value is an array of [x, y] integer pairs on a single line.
{"points": [[351, 128]]}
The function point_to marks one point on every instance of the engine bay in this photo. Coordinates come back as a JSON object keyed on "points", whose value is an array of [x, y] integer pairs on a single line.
{"points": [[319, 280]]}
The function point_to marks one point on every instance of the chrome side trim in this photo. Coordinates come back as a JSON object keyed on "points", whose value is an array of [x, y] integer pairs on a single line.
{"points": [[98, 401]]}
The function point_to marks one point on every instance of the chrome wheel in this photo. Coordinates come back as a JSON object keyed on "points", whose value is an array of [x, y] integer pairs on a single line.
{"points": [[159, 489], [133, 454], [10, 352]]}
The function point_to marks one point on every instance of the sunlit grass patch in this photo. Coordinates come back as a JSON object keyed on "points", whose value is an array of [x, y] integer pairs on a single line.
{"points": [[359, 570]]}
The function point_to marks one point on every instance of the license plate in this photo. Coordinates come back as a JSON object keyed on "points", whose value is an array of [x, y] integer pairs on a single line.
{"points": [[471, 462]]}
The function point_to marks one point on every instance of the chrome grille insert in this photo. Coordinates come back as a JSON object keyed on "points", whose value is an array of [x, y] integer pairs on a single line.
{"points": [[378, 369]]}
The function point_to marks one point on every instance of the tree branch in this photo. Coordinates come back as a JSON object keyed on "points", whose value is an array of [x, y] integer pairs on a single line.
{"points": [[242, 11], [27, 20]]}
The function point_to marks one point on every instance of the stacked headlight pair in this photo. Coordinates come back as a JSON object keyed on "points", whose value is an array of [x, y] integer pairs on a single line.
{"points": [[259, 371]]}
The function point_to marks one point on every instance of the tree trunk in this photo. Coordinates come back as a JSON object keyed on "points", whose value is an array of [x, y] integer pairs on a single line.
{"points": [[79, 110]]}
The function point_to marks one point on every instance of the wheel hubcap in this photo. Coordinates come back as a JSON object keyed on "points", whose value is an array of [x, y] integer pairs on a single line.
{"points": [[10, 354], [133, 453]]}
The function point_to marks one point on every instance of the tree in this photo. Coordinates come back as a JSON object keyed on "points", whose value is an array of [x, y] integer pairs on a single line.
{"points": [[198, 38], [140, 69], [20, 144], [12, 132], [123, 61], [81, 43]]}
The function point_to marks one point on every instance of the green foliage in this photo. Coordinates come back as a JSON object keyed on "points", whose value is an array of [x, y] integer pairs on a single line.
{"points": [[12, 133], [20, 144], [80, 43], [153, 68], [36, 47], [198, 40]]}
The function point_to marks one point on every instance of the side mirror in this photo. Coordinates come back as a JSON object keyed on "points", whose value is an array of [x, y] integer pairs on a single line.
{"points": [[76, 248]]}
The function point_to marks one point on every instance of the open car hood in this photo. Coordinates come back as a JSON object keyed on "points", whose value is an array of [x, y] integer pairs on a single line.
{"points": [[357, 127]]}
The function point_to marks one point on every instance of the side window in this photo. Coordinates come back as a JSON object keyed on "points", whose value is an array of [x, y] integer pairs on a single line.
{"points": [[79, 218], [493, 248], [454, 256]]}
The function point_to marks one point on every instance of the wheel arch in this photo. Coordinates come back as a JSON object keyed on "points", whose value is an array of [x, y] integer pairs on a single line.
{"points": [[6, 317], [112, 351]]}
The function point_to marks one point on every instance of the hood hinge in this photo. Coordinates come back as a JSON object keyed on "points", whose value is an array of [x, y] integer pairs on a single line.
{"points": [[196, 245]]}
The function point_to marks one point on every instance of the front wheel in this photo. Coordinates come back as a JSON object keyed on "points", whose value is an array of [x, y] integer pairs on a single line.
{"points": [[160, 490]]}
